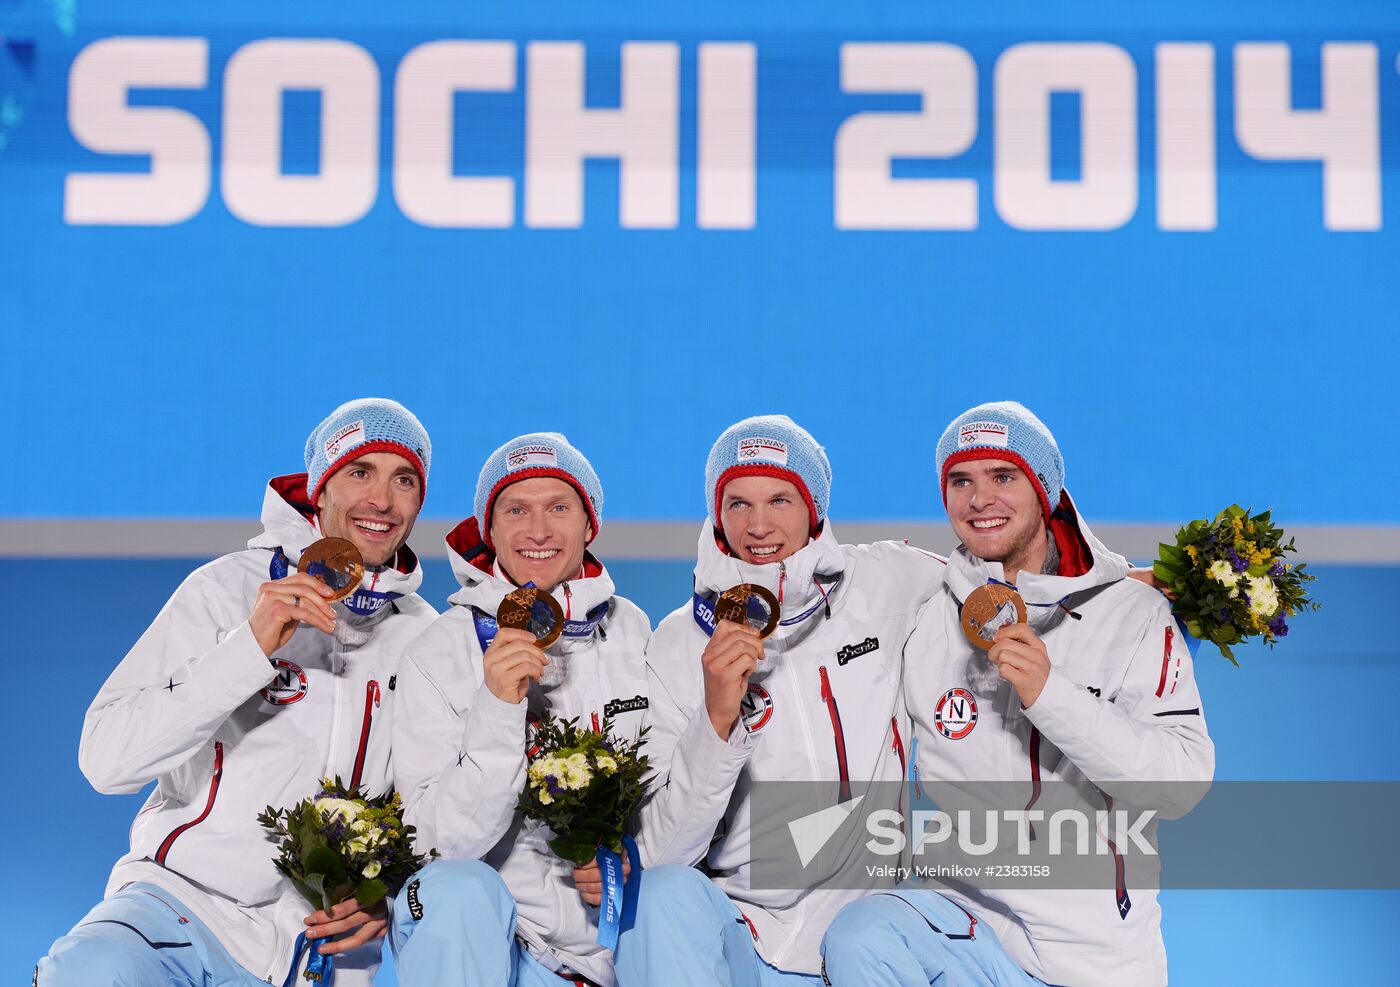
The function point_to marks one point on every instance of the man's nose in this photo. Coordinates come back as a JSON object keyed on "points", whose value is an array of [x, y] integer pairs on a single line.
{"points": [[982, 494], [760, 520], [381, 495]]}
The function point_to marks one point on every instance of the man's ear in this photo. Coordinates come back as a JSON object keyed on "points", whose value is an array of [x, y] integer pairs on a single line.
{"points": [[588, 537]]}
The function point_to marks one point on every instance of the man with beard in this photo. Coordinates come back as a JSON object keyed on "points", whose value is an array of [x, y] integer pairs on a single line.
{"points": [[1089, 703], [519, 915], [818, 701], [247, 690]]}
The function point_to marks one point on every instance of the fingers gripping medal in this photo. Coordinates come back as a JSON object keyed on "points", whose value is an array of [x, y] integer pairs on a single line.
{"points": [[751, 604], [335, 562], [989, 608], [529, 609]]}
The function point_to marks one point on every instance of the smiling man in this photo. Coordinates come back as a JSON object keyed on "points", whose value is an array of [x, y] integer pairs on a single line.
{"points": [[247, 690], [1093, 700], [818, 702], [471, 693]]}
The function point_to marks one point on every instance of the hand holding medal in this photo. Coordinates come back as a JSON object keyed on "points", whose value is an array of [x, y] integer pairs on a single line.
{"points": [[329, 570], [744, 615], [528, 620], [994, 619]]}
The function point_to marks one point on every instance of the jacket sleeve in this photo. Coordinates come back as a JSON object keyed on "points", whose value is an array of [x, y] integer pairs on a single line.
{"points": [[195, 665], [693, 770], [459, 751], [1148, 746]]}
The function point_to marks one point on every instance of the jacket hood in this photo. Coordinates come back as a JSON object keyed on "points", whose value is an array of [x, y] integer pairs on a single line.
{"points": [[485, 584], [1085, 564], [290, 524]]}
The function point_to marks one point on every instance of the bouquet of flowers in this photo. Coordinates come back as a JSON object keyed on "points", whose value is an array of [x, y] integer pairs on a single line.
{"points": [[337, 845], [1231, 581], [584, 785]]}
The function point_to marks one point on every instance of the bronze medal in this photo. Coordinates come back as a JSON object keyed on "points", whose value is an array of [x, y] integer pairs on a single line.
{"points": [[751, 604], [335, 562], [989, 608], [531, 609]]}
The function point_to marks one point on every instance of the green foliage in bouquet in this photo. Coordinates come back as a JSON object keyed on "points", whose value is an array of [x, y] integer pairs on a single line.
{"points": [[584, 785], [1231, 581], [341, 844]]}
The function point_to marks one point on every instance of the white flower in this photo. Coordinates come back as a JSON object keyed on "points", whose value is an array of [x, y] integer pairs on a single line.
{"points": [[545, 797], [1263, 596], [338, 810], [577, 774], [371, 869], [605, 763], [362, 825], [1221, 572], [359, 844]]}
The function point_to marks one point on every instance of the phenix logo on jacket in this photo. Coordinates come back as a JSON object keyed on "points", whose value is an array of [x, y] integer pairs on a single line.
{"points": [[825, 707], [461, 752], [197, 707], [1119, 718]]}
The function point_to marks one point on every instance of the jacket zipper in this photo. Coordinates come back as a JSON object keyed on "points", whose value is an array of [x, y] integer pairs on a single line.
{"points": [[1120, 870], [568, 603], [1166, 662], [1035, 774], [782, 578], [371, 702], [830, 699], [175, 833], [597, 727], [898, 745]]}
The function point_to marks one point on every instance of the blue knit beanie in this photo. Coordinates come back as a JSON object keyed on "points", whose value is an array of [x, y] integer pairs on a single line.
{"points": [[536, 454], [360, 427], [1008, 431], [770, 445]]}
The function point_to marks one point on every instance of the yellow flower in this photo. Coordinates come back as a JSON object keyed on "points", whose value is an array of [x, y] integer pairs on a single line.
{"points": [[1193, 553]]}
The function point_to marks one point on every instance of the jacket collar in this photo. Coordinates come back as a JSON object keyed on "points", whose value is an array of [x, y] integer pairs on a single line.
{"points": [[484, 585], [1085, 564], [290, 524]]}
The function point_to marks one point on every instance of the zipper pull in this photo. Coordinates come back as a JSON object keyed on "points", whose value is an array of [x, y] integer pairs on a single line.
{"points": [[782, 578], [826, 685], [374, 689], [568, 602], [597, 727]]}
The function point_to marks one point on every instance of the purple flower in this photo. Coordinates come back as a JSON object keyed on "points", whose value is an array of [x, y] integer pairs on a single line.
{"points": [[1278, 625], [1276, 569], [552, 783], [1223, 614], [1237, 563]]}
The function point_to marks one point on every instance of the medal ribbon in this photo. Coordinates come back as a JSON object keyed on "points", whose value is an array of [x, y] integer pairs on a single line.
{"points": [[993, 581], [319, 969], [486, 624], [618, 910], [704, 613], [363, 601]]}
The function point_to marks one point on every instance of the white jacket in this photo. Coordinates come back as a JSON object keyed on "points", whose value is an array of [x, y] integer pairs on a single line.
{"points": [[830, 709], [1119, 712], [196, 707], [461, 752]]}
